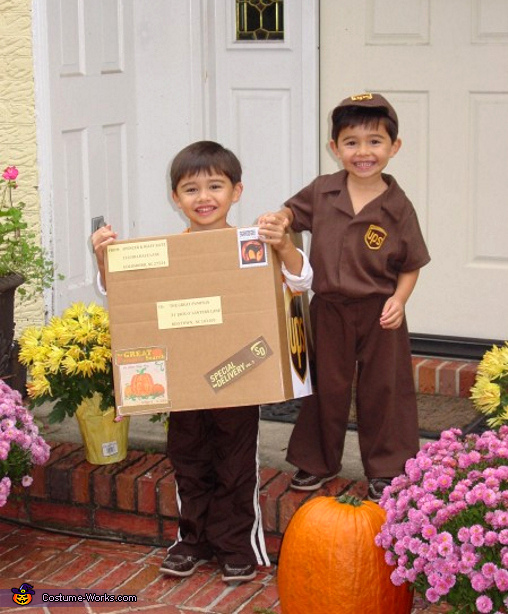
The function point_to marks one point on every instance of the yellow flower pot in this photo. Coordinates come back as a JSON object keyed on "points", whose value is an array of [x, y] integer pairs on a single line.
{"points": [[105, 440]]}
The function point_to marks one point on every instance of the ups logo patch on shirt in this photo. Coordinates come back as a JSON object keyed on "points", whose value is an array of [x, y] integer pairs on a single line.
{"points": [[375, 237]]}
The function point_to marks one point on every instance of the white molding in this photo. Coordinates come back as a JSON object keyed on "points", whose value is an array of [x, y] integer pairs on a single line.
{"points": [[43, 133], [310, 102]]}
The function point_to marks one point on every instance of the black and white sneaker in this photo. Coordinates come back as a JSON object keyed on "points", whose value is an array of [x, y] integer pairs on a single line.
{"points": [[238, 573], [180, 565], [376, 488], [307, 482]]}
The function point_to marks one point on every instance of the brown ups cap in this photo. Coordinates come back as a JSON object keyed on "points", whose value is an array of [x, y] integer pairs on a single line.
{"points": [[375, 101]]}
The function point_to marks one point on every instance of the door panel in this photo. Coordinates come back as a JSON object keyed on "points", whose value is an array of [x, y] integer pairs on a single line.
{"points": [[92, 108], [444, 65]]}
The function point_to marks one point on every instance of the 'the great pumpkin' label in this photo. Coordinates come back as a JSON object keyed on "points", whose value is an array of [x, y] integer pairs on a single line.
{"points": [[143, 377]]}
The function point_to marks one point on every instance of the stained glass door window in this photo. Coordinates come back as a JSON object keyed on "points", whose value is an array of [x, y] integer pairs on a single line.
{"points": [[259, 20]]}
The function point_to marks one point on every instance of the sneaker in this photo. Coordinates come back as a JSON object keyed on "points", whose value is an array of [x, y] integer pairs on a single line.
{"points": [[238, 573], [180, 565], [376, 488], [306, 481]]}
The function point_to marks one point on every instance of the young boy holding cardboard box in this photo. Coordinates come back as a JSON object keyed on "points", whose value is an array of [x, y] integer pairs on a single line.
{"points": [[215, 452]]}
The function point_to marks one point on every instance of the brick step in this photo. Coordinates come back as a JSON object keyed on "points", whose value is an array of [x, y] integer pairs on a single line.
{"points": [[447, 377], [135, 500]]}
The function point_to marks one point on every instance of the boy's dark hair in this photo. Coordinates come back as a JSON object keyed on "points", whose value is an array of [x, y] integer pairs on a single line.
{"points": [[349, 117], [365, 110], [205, 157]]}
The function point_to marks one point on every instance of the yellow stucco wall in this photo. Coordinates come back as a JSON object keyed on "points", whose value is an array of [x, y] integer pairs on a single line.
{"points": [[17, 123]]}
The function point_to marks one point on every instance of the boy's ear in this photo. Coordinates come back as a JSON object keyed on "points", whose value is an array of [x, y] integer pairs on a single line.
{"points": [[396, 145], [237, 191], [334, 148], [175, 198]]}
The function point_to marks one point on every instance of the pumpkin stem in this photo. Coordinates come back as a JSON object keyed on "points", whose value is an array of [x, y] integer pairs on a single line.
{"points": [[350, 500]]}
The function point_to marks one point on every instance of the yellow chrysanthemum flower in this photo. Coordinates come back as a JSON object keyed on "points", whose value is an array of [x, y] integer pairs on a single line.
{"points": [[104, 339], [26, 354], [38, 371], [500, 419], [493, 364], [74, 311], [54, 358], [38, 387], [31, 337], [63, 333], [101, 357], [74, 352], [95, 310], [69, 365], [85, 368], [486, 395]]}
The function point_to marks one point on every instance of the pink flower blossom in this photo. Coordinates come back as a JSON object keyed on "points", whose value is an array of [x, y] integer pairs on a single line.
{"points": [[10, 173], [479, 582], [501, 579], [503, 537], [484, 604], [432, 595]]}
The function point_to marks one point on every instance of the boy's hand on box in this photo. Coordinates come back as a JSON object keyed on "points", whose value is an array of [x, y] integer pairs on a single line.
{"points": [[273, 229], [392, 314], [101, 238]]}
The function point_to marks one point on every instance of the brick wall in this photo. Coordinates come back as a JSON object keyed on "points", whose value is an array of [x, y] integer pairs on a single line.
{"points": [[17, 122]]}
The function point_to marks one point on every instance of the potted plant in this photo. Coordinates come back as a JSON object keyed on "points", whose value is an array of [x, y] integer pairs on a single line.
{"points": [[446, 530], [69, 363], [24, 264], [21, 446]]}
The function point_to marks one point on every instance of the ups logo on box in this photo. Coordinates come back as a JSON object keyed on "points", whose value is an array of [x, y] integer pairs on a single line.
{"points": [[375, 237], [296, 333]]}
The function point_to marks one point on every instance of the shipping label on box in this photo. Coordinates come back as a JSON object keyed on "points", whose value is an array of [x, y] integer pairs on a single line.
{"points": [[203, 320]]}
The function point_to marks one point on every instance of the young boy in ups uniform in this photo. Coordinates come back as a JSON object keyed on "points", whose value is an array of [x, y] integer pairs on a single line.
{"points": [[215, 452], [366, 252]]}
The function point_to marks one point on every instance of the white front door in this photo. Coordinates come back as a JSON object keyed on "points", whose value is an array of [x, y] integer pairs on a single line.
{"points": [[444, 65], [265, 104], [92, 113]]}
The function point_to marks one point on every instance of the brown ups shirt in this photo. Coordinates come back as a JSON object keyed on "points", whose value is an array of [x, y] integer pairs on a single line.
{"points": [[358, 255]]}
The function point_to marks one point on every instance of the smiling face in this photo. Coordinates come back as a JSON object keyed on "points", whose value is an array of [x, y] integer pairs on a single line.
{"points": [[22, 598], [365, 150], [206, 199]]}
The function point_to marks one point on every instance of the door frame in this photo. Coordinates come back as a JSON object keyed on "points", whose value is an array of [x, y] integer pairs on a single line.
{"points": [[43, 134]]}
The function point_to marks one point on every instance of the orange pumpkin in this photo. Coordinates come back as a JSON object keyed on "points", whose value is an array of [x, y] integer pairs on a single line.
{"points": [[329, 562], [158, 389], [142, 384]]}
